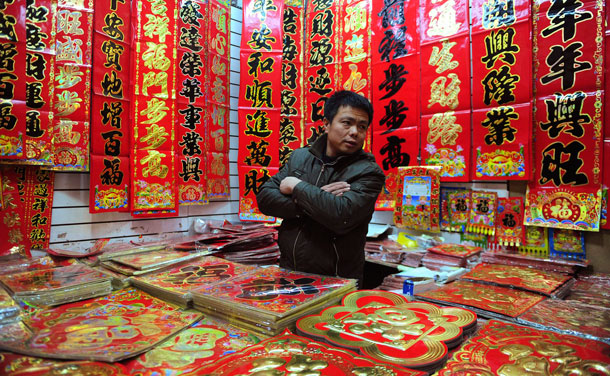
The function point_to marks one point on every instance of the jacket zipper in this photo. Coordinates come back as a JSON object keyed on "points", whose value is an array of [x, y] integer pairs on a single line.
{"points": [[294, 246], [337, 264]]}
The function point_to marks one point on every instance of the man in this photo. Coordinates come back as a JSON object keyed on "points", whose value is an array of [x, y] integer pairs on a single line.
{"points": [[326, 194]]}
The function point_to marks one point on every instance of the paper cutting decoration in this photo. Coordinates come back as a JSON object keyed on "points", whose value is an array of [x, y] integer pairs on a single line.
{"points": [[565, 191], [482, 217], [387, 327], [503, 349], [519, 277], [288, 353], [486, 300], [118, 326], [418, 195], [567, 244], [509, 222], [201, 344]]}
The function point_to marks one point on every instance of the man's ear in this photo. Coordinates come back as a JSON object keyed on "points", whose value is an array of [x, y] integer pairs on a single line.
{"points": [[326, 125]]}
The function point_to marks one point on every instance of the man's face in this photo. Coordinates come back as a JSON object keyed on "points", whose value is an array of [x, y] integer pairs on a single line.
{"points": [[347, 131]]}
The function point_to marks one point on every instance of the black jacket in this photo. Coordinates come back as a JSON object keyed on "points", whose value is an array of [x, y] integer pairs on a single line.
{"points": [[322, 233]]}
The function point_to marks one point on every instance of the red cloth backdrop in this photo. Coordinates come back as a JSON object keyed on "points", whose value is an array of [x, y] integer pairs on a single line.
{"points": [[395, 63], [259, 101], [153, 108], [445, 88], [501, 90], [565, 191], [110, 101], [605, 223]]}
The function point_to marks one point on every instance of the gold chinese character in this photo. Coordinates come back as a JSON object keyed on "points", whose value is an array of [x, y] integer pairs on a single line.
{"points": [[64, 132], [154, 56], [218, 115], [152, 79], [157, 26], [158, 7], [218, 67], [445, 96], [155, 111], [443, 20], [15, 236], [70, 50], [68, 22], [219, 43], [69, 75], [219, 142], [67, 103], [155, 137], [355, 82], [218, 165], [355, 18], [441, 58], [354, 52], [218, 90], [443, 126], [154, 166], [219, 16], [11, 219]]}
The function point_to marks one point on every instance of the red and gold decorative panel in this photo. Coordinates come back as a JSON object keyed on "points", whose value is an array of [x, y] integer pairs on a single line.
{"points": [[507, 349], [457, 250], [509, 222], [482, 217], [502, 300], [536, 241], [458, 205], [387, 327], [520, 277], [288, 353], [417, 198], [110, 328], [566, 190]]}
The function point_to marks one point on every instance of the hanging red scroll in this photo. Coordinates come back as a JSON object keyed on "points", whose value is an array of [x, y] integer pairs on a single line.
{"points": [[293, 100], [192, 80], [153, 108], [217, 112], [395, 63], [259, 102], [565, 191], [72, 70], [13, 223], [322, 64], [445, 90], [39, 81], [509, 222], [12, 76], [355, 52], [502, 90], [110, 104]]}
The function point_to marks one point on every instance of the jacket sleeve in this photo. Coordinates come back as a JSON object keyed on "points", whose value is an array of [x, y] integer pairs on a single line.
{"points": [[273, 202], [341, 214]]}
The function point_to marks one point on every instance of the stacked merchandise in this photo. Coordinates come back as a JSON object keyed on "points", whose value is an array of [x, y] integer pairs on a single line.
{"points": [[391, 251], [288, 354], [570, 317], [546, 264], [254, 244], [174, 284], [396, 283], [35, 263], [387, 327], [501, 348], [270, 300], [147, 262], [555, 285], [56, 286], [9, 311], [451, 255], [592, 289], [109, 328]]}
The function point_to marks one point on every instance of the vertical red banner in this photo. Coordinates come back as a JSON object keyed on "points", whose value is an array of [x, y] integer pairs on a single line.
{"points": [[12, 78], [293, 101], [72, 71], [192, 81], [445, 88], [217, 112], [153, 107], [110, 104], [396, 82], [501, 90], [260, 101], [39, 81], [566, 190]]}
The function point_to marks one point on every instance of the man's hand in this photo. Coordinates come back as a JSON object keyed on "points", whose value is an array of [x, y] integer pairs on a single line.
{"points": [[337, 188], [288, 183]]}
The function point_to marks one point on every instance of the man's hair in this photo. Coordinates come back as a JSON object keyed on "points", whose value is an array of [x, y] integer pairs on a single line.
{"points": [[346, 98]]}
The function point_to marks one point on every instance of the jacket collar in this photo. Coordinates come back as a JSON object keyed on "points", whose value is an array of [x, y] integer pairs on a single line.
{"points": [[319, 146]]}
